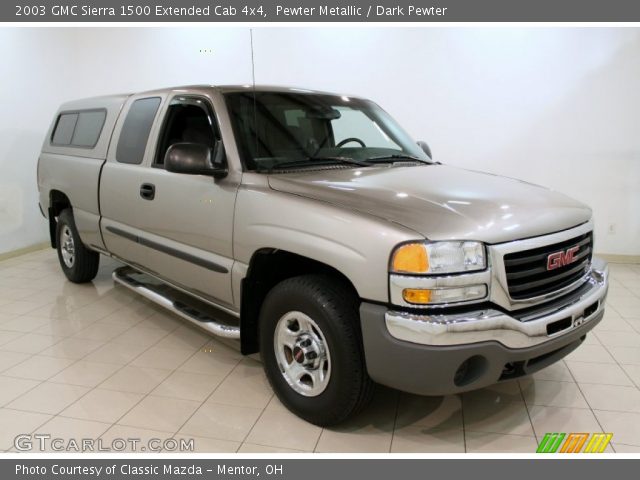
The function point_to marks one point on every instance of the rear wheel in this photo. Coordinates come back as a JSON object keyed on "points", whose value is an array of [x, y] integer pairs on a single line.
{"points": [[78, 263], [312, 349]]}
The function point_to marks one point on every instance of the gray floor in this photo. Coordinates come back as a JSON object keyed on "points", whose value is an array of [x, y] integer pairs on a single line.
{"points": [[97, 361]]}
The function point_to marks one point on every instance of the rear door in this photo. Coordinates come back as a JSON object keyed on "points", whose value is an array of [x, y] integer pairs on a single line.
{"points": [[121, 206]]}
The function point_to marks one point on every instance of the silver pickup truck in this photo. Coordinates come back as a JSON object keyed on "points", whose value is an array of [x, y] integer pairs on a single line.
{"points": [[312, 228]]}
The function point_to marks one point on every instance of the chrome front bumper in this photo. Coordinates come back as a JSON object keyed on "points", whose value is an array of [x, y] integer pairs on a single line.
{"points": [[519, 329]]}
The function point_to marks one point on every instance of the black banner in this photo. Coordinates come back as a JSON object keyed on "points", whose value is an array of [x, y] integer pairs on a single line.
{"points": [[323, 11], [316, 469]]}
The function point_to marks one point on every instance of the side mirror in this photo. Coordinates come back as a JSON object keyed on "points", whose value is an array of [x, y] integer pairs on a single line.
{"points": [[196, 159], [425, 148]]}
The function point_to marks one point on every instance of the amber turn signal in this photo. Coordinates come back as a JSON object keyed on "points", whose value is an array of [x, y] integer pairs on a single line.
{"points": [[410, 258], [416, 295]]}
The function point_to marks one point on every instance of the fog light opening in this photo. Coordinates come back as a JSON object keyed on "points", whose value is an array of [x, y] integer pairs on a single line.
{"points": [[470, 370]]}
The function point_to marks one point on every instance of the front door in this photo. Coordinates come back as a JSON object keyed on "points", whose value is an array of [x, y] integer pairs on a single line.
{"points": [[189, 224], [182, 224]]}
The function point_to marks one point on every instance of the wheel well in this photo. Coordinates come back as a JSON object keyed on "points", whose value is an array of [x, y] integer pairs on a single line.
{"points": [[267, 268], [58, 201]]}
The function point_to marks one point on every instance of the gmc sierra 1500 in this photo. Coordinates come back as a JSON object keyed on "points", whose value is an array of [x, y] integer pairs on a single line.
{"points": [[312, 228]]}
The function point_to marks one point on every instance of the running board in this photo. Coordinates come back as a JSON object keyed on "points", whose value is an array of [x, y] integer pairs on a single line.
{"points": [[195, 311]]}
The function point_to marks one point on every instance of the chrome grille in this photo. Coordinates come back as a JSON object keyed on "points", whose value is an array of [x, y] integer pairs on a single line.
{"points": [[527, 273]]}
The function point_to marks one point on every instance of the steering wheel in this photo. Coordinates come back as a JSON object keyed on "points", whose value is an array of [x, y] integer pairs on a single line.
{"points": [[350, 139]]}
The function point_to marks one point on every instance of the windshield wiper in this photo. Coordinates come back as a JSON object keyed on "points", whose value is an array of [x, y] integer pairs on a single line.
{"points": [[398, 156], [318, 161]]}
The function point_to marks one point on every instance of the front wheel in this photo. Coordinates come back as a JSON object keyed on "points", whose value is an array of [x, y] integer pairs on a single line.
{"points": [[79, 264], [312, 349]]}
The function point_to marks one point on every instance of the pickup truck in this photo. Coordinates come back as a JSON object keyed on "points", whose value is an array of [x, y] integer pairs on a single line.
{"points": [[311, 228]]}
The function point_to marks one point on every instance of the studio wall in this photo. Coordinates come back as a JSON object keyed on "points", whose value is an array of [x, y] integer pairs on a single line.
{"points": [[555, 106]]}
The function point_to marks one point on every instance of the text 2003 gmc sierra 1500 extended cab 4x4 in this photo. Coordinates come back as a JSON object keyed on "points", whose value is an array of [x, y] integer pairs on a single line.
{"points": [[312, 228]]}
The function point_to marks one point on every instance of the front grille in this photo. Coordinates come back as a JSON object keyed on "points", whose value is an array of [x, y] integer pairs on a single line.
{"points": [[527, 274]]}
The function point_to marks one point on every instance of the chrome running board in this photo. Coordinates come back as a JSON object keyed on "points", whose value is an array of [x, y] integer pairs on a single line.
{"points": [[197, 312]]}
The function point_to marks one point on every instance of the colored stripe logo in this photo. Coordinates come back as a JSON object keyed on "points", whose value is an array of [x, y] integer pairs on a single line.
{"points": [[574, 443]]}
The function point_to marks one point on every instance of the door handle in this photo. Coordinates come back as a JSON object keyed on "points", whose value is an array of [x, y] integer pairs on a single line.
{"points": [[148, 191]]}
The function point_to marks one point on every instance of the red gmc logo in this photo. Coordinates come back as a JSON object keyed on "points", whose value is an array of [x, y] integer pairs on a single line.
{"points": [[562, 258]]}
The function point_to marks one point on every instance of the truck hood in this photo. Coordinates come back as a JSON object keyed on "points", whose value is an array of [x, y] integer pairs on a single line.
{"points": [[441, 202]]}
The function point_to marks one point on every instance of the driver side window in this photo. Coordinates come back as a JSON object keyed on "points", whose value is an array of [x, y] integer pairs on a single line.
{"points": [[187, 121]]}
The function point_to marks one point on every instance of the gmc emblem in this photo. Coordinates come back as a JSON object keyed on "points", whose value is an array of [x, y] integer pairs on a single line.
{"points": [[562, 258]]}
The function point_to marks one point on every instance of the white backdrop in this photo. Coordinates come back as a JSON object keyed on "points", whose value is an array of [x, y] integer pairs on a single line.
{"points": [[555, 106]]}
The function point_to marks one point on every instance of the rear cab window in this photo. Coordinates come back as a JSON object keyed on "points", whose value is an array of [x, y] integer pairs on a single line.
{"points": [[134, 134], [80, 128]]}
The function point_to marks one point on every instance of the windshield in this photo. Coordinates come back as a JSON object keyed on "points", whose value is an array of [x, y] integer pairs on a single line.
{"points": [[285, 129]]}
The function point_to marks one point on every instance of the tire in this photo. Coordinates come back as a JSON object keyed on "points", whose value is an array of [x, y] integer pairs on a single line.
{"points": [[79, 264], [317, 316]]}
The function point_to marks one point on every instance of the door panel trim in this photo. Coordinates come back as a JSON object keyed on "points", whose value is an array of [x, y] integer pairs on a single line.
{"points": [[201, 262]]}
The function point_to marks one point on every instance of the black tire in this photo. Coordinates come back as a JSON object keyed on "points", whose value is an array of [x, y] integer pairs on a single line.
{"points": [[333, 306], [84, 264]]}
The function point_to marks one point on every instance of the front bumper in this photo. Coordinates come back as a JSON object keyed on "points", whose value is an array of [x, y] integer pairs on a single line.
{"points": [[447, 353]]}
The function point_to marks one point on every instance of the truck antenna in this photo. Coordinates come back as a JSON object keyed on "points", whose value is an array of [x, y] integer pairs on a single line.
{"points": [[253, 83]]}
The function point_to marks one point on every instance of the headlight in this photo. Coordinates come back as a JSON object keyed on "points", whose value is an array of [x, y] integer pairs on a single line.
{"points": [[438, 257]]}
